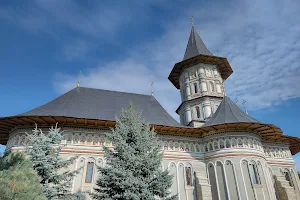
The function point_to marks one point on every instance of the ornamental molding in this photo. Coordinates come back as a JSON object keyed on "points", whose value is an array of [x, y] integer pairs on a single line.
{"points": [[275, 144], [230, 133], [242, 155], [176, 138]]}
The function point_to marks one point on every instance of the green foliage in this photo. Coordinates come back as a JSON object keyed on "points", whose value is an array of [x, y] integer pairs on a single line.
{"points": [[18, 180], [133, 168], [52, 170]]}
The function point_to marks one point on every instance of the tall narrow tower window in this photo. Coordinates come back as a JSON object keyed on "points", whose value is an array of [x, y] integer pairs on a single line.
{"points": [[188, 173], [212, 86], [193, 75], [89, 172], [253, 173], [195, 88], [198, 112]]}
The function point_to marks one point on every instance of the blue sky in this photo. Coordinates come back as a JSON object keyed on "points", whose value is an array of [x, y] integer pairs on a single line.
{"points": [[125, 45]]}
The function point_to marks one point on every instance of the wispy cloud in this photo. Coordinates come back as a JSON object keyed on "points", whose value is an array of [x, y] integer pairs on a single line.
{"points": [[260, 40], [75, 50]]}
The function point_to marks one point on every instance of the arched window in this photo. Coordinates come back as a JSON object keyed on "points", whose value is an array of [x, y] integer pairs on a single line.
{"points": [[197, 112], [213, 181], [101, 141], [245, 143], [89, 172], [188, 175], [166, 146], [228, 144], [187, 147], [221, 180], [82, 140], [288, 177], [253, 173], [222, 144], [76, 139], [206, 148], [216, 145], [171, 146], [181, 147], [255, 144], [95, 140], [210, 147], [231, 179], [250, 144], [69, 139], [195, 88], [233, 143], [240, 142], [193, 75], [89, 140], [176, 146], [197, 148], [212, 87]]}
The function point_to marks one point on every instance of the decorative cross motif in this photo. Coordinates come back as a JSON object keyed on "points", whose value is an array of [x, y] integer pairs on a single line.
{"points": [[244, 104], [192, 20], [78, 83], [152, 88], [237, 101]]}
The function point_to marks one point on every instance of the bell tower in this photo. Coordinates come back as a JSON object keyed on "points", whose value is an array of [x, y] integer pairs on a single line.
{"points": [[199, 77]]}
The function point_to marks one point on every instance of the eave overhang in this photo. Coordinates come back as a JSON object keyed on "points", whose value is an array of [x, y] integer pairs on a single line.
{"points": [[222, 64], [268, 132]]}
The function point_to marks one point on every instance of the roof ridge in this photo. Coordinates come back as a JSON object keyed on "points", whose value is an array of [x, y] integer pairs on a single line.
{"points": [[115, 91]]}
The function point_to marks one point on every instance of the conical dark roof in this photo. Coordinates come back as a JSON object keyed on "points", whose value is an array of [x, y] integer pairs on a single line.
{"points": [[229, 112], [195, 46], [82, 102]]}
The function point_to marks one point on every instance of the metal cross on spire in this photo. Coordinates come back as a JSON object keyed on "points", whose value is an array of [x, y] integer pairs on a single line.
{"points": [[237, 101], [78, 82], [152, 88], [192, 20], [244, 104]]}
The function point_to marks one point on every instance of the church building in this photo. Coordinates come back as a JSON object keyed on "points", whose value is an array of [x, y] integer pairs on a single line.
{"points": [[216, 152]]}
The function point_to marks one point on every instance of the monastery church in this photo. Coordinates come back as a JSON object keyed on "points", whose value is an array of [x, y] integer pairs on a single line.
{"points": [[216, 152]]}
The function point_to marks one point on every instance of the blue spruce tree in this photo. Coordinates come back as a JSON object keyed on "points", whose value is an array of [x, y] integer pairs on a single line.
{"points": [[133, 168], [52, 171]]}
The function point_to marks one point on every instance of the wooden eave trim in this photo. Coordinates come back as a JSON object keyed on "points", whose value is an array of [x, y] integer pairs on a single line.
{"points": [[267, 132]]}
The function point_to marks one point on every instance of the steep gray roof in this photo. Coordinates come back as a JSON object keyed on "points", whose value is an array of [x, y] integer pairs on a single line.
{"points": [[228, 112], [195, 46], [91, 103]]}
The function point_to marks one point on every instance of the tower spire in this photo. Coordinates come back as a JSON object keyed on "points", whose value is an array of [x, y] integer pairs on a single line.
{"points": [[195, 44]]}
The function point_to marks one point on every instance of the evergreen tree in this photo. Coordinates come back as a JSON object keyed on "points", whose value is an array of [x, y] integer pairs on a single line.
{"points": [[18, 180], [133, 167], [52, 170]]}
